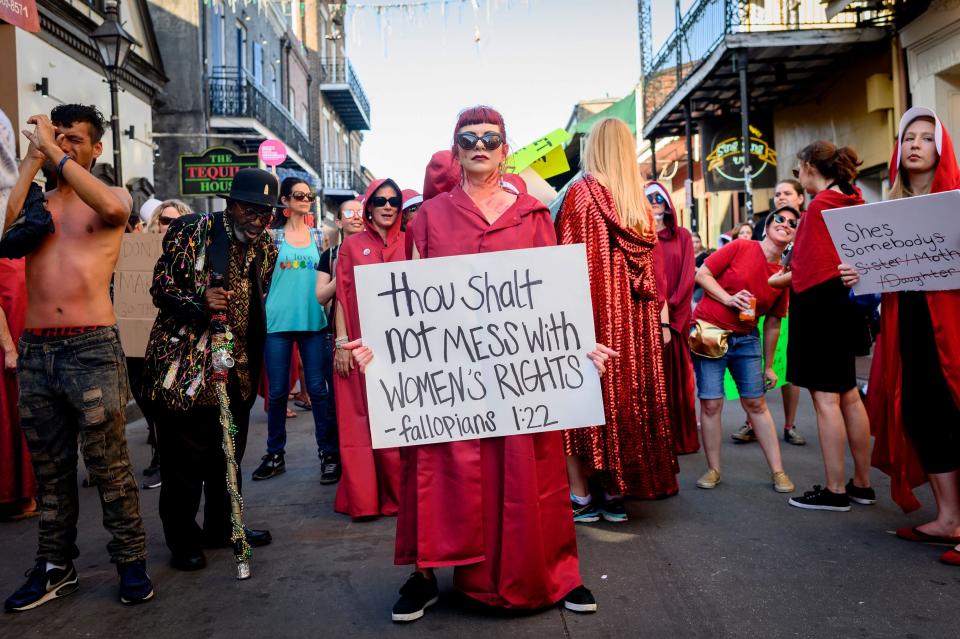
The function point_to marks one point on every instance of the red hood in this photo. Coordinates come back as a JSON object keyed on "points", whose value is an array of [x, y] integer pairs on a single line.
{"points": [[947, 175], [442, 174], [671, 218], [394, 232]]}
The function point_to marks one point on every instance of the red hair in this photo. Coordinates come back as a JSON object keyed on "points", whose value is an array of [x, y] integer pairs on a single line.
{"points": [[480, 114]]}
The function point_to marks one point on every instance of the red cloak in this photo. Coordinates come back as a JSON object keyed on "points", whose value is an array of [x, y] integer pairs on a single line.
{"points": [[498, 508], [16, 474], [893, 452], [370, 484], [636, 444], [680, 270]]}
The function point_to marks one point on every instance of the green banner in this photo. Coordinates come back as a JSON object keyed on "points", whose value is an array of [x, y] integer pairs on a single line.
{"points": [[779, 361]]}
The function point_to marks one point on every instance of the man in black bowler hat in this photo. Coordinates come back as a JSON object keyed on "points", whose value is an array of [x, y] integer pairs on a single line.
{"points": [[212, 263]]}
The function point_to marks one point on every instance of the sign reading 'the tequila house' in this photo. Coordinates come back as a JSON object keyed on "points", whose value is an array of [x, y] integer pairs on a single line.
{"points": [[211, 172]]}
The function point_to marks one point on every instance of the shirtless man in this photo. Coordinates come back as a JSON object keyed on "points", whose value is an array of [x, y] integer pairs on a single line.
{"points": [[73, 377]]}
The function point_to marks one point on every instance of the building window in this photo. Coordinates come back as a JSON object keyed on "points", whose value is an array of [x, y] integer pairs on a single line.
{"points": [[258, 63], [241, 46], [217, 37]]}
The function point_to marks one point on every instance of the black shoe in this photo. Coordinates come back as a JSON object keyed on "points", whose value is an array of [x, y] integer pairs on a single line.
{"points": [[865, 496], [271, 466], [613, 510], [189, 561], [256, 538], [42, 586], [584, 514], [821, 499], [418, 594], [329, 468], [152, 481], [135, 584], [580, 600]]}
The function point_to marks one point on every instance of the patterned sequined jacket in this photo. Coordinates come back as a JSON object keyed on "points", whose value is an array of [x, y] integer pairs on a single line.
{"points": [[177, 365]]}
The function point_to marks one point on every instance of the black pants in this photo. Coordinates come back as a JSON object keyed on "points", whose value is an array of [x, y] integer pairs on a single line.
{"points": [[191, 446]]}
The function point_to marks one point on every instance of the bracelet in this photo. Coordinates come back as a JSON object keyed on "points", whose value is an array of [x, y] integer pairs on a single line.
{"points": [[60, 166], [664, 324], [340, 342]]}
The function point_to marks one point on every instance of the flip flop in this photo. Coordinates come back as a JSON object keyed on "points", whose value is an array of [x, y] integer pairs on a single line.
{"points": [[913, 534], [291, 414], [303, 405]]}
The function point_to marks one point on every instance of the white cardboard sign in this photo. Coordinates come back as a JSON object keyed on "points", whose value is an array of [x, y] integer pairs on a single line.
{"points": [[909, 244], [484, 345]]}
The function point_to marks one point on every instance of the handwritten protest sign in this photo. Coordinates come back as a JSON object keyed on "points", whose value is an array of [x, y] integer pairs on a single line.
{"points": [[484, 345], [537, 149], [132, 278], [911, 244]]}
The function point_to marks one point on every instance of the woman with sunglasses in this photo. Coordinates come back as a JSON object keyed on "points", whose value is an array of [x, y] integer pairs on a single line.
{"points": [[824, 329], [165, 213], [679, 273], [914, 392], [737, 295], [500, 516], [294, 316], [370, 483]]}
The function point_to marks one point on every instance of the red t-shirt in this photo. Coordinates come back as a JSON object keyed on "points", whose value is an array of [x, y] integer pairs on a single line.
{"points": [[738, 266], [814, 259]]}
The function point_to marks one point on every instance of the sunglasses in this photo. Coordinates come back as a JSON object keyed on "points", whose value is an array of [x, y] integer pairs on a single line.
{"points": [[349, 213], [379, 201], [781, 219], [300, 196], [468, 141], [262, 214], [166, 220], [656, 198]]}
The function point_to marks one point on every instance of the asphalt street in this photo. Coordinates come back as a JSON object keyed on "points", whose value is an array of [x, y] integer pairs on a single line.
{"points": [[735, 561]]}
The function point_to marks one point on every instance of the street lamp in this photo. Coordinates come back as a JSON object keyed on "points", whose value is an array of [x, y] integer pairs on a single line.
{"points": [[113, 43]]}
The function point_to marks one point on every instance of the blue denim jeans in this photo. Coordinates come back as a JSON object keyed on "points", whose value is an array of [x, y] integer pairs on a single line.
{"points": [[744, 360], [315, 352]]}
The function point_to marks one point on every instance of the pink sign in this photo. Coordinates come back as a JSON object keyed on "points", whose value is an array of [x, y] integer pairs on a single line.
{"points": [[272, 152]]}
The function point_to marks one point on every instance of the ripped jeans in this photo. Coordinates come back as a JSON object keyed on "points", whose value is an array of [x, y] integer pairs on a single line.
{"points": [[77, 388]]}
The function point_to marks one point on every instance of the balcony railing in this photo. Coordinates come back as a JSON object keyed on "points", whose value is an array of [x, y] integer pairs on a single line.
{"points": [[707, 22], [355, 109], [234, 93], [339, 178]]}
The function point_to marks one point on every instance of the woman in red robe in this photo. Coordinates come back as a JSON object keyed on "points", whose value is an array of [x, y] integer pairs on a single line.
{"points": [[17, 484], [370, 484], [494, 509], [680, 270], [633, 453], [914, 392]]}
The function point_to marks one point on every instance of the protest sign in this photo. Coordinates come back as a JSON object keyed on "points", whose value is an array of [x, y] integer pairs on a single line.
{"points": [[910, 244], [483, 345], [521, 159], [132, 301], [779, 361]]}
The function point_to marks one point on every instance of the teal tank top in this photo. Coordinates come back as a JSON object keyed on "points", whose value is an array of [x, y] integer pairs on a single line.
{"points": [[292, 301]]}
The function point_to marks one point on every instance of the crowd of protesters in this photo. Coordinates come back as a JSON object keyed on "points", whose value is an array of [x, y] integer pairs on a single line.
{"points": [[290, 299]]}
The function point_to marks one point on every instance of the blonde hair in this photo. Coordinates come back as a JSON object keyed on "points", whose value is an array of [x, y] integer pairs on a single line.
{"points": [[901, 185], [610, 157], [182, 208]]}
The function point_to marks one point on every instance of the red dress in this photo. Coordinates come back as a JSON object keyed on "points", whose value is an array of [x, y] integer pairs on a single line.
{"points": [[893, 450], [16, 475], [680, 270], [370, 484], [636, 444], [498, 508]]}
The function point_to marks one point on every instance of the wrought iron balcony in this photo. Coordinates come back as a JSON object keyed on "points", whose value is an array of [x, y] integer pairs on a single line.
{"points": [[342, 181], [341, 85], [235, 94], [707, 22]]}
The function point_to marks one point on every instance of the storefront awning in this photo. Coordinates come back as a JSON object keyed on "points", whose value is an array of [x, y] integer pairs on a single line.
{"points": [[625, 109]]}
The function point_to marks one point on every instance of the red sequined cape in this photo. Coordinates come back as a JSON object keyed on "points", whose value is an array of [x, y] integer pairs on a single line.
{"points": [[498, 508], [370, 484], [636, 444]]}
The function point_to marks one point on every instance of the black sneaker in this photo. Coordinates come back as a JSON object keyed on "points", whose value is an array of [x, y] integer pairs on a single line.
{"points": [[152, 481], [821, 499], [135, 584], [865, 496], [613, 510], [418, 594], [271, 466], [584, 514], [329, 468], [580, 600], [42, 586]]}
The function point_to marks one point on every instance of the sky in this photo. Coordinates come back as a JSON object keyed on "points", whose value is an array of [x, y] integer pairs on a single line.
{"points": [[534, 61]]}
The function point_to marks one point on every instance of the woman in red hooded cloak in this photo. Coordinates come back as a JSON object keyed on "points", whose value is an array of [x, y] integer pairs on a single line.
{"points": [[914, 390], [370, 484], [497, 510], [679, 270]]}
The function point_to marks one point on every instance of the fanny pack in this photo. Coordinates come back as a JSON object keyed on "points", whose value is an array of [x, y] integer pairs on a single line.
{"points": [[708, 340]]}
